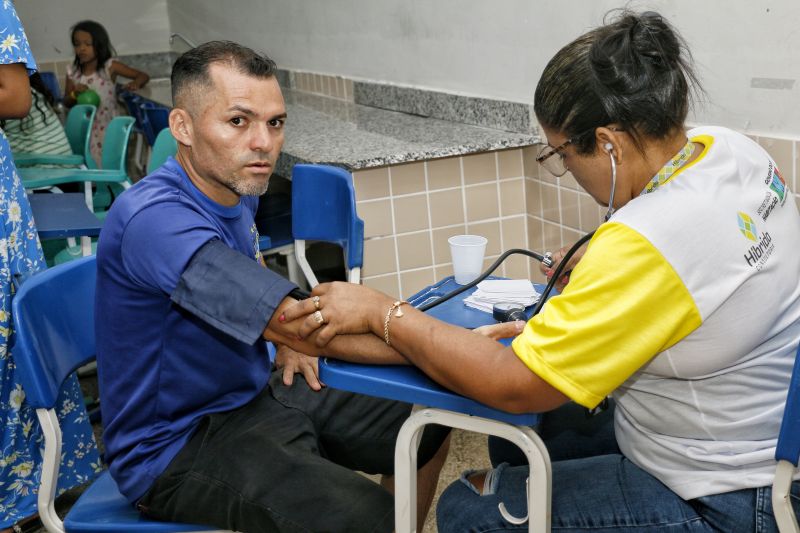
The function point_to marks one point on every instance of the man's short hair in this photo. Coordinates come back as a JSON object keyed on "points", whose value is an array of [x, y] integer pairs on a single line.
{"points": [[191, 68]]}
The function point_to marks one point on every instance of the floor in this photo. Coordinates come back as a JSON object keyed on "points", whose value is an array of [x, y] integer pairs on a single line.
{"points": [[467, 451]]}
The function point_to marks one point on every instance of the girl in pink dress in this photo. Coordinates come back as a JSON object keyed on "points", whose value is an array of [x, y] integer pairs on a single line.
{"points": [[95, 68]]}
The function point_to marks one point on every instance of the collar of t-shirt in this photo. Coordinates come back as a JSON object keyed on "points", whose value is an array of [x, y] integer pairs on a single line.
{"points": [[218, 209]]}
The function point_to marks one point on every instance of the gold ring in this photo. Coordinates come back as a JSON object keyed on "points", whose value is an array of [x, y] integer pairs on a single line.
{"points": [[318, 317], [315, 299]]}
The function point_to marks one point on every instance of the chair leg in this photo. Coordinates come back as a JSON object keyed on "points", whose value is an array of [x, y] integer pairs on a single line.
{"points": [[782, 499], [86, 246], [51, 458], [300, 256], [293, 268], [405, 466]]}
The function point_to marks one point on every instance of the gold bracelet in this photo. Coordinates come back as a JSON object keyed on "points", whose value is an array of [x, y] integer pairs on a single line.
{"points": [[398, 313]]}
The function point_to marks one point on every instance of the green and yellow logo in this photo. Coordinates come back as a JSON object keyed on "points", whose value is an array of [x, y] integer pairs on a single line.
{"points": [[747, 227]]}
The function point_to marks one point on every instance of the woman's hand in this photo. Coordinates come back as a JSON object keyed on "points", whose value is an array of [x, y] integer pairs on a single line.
{"points": [[292, 362], [502, 330], [339, 308], [557, 257]]}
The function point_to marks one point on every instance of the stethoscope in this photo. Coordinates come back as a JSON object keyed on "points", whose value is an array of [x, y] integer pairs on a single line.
{"points": [[546, 259]]}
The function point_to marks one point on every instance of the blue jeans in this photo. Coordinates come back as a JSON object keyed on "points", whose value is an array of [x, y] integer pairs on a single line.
{"points": [[606, 493]]}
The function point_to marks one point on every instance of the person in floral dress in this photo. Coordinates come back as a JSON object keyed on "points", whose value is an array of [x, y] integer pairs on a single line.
{"points": [[21, 256]]}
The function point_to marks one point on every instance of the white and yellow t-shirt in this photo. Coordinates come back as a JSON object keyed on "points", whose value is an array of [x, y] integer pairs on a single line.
{"points": [[686, 308]]}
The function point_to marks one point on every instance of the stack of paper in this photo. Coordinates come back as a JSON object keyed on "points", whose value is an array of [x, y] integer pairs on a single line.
{"points": [[494, 291]]}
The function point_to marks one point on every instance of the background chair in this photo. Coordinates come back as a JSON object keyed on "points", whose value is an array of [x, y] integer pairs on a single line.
{"points": [[164, 146], [133, 103], [78, 128], [324, 209], [50, 81], [787, 453], [54, 327], [157, 116], [114, 172]]}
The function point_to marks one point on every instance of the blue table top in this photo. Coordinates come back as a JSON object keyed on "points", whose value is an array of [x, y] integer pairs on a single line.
{"points": [[408, 383], [58, 216], [454, 311]]}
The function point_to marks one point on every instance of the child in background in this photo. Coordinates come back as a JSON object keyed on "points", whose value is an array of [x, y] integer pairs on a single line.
{"points": [[40, 132], [96, 69]]}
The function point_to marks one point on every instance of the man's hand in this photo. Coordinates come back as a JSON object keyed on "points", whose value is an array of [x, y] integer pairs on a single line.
{"points": [[503, 330], [292, 362]]}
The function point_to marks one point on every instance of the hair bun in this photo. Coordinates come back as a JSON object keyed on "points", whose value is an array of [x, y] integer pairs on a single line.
{"points": [[654, 40], [633, 52]]}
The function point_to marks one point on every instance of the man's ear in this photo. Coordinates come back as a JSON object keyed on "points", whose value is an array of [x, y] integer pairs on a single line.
{"points": [[180, 124]]}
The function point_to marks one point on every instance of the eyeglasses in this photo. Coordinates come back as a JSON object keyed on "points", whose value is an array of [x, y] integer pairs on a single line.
{"points": [[556, 165]]}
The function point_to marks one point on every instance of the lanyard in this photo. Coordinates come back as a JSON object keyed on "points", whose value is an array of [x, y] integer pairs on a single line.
{"points": [[666, 172]]}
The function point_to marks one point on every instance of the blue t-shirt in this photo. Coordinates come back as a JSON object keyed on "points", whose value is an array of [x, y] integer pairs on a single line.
{"points": [[161, 368]]}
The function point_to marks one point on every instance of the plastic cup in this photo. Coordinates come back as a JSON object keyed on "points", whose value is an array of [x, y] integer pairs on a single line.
{"points": [[467, 252]]}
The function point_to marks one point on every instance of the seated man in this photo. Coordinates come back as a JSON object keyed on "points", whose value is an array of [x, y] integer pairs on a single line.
{"points": [[196, 430]]}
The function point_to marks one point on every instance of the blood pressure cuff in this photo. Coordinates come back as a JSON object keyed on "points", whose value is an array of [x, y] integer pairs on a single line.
{"points": [[230, 291]]}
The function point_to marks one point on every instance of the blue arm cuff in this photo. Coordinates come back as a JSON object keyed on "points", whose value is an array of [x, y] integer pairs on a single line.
{"points": [[230, 292]]}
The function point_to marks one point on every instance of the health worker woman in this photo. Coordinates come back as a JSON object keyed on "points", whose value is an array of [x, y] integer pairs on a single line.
{"points": [[685, 307]]}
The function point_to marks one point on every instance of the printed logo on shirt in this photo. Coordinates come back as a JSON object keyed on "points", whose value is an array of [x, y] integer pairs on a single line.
{"points": [[747, 227], [757, 255], [778, 185], [775, 194], [256, 248]]}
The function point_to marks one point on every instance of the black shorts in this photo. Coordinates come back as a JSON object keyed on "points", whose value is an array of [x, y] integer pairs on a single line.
{"points": [[286, 461]]}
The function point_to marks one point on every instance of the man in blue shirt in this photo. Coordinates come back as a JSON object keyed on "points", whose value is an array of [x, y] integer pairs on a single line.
{"points": [[196, 428]]}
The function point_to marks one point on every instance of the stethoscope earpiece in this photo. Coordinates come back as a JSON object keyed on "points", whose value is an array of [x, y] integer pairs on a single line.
{"points": [[609, 147]]}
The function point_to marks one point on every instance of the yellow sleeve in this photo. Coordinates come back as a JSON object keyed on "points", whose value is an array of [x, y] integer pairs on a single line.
{"points": [[623, 305]]}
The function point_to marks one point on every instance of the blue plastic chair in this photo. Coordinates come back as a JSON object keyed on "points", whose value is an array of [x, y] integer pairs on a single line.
{"points": [[135, 105], [78, 128], [115, 150], [787, 453], [444, 407], [50, 81], [157, 116], [324, 209], [54, 327], [277, 238]]}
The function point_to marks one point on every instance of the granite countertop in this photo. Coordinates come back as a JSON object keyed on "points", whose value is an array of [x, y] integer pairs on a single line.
{"points": [[337, 132]]}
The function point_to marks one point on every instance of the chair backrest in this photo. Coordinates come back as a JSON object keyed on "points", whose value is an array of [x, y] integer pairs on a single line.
{"points": [[133, 103], [324, 209], [78, 127], [115, 143], [164, 146], [53, 315], [157, 115], [50, 81]]}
